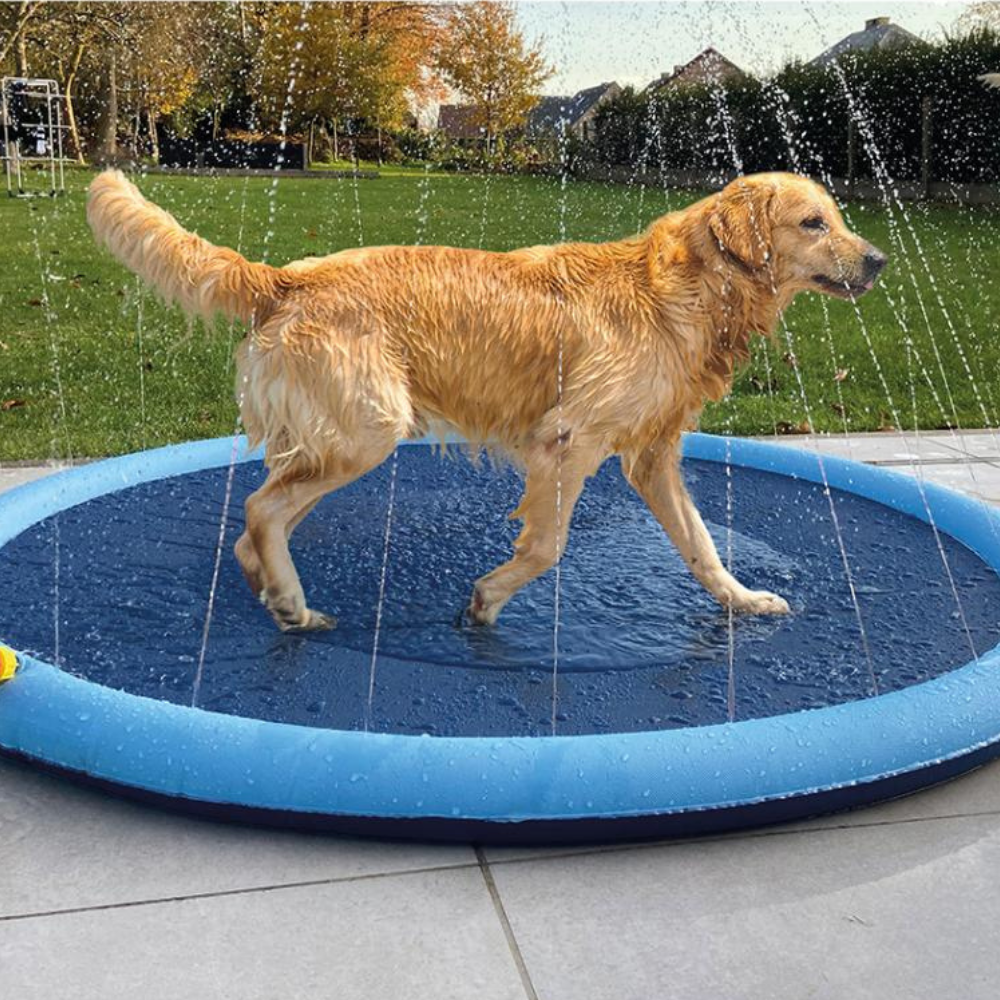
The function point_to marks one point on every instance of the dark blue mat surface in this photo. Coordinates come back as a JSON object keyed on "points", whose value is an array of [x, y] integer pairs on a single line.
{"points": [[641, 646]]}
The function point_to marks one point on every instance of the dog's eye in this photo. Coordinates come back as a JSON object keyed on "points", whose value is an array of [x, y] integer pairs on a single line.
{"points": [[814, 222]]}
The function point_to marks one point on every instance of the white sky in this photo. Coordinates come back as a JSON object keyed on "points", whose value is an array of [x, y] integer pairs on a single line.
{"points": [[634, 42]]}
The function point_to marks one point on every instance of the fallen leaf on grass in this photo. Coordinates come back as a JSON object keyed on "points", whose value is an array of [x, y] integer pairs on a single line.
{"points": [[839, 409], [34, 302], [785, 427], [12, 404], [841, 374], [759, 384], [790, 359]]}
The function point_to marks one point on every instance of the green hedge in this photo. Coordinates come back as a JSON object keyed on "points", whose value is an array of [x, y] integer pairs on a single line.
{"points": [[798, 119]]}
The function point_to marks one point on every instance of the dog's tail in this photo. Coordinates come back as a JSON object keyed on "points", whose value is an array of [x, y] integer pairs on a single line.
{"points": [[203, 279]]}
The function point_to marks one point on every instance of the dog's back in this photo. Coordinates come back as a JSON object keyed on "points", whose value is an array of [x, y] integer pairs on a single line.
{"points": [[405, 337]]}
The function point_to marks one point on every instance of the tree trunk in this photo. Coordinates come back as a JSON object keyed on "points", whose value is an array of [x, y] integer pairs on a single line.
{"points": [[17, 38], [74, 132], [109, 132], [21, 51], [154, 139], [67, 88], [926, 132]]}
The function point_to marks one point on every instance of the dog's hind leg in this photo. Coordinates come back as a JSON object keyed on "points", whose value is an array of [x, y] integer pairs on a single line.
{"points": [[246, 554], [656, 476], [272, 514], [555, 477]]}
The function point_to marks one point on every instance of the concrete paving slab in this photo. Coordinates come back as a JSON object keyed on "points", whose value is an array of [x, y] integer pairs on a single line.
{"points": [[17, 475], [981, 444], [906, 910], [977, 479], [64, 846], [426, 936], [879, 448]]}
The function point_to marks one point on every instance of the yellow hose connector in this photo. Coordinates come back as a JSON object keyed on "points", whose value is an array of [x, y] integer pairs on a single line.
{"points": [[8, 663]]}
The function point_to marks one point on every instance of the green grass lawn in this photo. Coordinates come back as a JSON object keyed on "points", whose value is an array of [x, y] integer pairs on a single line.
{"points": [[91, 364]]}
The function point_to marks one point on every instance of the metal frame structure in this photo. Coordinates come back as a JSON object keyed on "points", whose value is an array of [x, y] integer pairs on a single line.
{"points": [[51, 125]]}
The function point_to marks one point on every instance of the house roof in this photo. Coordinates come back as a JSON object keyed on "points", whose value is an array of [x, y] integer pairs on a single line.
{"points": [[878, 33], [709, 65], [549, 112]]}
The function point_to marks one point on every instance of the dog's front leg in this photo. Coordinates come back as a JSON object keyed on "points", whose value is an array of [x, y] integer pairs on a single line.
{"points": [[656, 476], [272, 514], [556, 473]]}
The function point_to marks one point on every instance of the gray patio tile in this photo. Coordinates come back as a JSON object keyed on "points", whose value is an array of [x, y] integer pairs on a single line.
{"points": [[981, 444], [977, 479], [898, 911], [17, 475], [893, 448], [66, 847], [428, 936]]}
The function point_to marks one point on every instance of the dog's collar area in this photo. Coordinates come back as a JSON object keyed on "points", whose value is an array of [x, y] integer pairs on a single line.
{"points": [[735, 259]]}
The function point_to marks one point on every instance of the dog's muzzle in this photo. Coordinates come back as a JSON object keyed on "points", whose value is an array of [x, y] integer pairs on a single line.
{"points": [[873, 264], [870, 265]]}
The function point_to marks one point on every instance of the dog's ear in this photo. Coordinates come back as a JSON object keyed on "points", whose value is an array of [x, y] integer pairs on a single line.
{"points": [[741, 222]]}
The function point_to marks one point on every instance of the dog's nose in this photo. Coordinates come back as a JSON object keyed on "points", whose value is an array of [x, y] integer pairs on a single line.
{"points": [[874, 261]]}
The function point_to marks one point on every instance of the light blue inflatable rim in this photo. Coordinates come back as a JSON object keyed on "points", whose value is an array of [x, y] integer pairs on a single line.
{"points": [[166, 749]]}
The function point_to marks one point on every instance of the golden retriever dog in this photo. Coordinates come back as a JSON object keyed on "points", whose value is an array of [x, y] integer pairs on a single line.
{"points": [[561, 356]]}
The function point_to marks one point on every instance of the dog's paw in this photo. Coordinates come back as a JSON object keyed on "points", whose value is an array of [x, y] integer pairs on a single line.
{"points": [[479, 612], [761, 602], [291, 618], [315, 621]]}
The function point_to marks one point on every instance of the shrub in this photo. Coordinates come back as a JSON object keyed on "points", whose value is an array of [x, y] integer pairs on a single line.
{"points": [[798, 119]]}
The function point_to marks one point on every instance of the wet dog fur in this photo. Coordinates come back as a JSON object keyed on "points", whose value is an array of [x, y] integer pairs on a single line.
{"points": [[559, 355]]}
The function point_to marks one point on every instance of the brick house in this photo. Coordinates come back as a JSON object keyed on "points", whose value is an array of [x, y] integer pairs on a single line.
{"points": [[457, 122], [708, 67]]}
